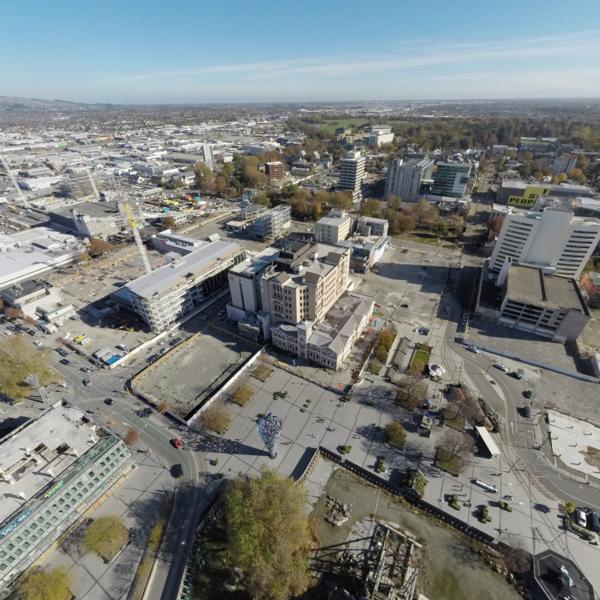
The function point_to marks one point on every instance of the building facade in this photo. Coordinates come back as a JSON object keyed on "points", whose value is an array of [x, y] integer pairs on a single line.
{"points": [[274, 170], [53, 468], [451, 179], [273, 224], [553, 239], [380, 135], [404, 178], [352, 173], [333, 228], [169, 293]]}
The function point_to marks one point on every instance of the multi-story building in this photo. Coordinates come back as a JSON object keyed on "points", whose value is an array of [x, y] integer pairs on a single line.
{"points": [[372, 226], [451, 179], [352, 173], [404, 178], [380, 134], [553, 239], [274, 170], [79, 186], [169, 293], [564, 163], [548, 306], [52, 470], [333, 228], [89, 219], [525, 195], [273, 224]]}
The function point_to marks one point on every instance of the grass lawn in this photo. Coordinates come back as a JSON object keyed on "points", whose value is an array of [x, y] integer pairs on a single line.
{"points": [[420, 360], [452, 418], [448, 462], [330, 125]]}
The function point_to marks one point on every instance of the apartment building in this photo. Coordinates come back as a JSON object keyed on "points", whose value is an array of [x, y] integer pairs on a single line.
{"points": [[333, 228], [352, 173], [272, 224], [404, 178], [371, 226], [169, 293], [450, 179], [553, 239], [274, 170], [52, 469]]}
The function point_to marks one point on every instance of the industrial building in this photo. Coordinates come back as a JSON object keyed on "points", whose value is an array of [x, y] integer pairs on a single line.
{"points": [[52, 470], [28, 254], [404, 178], [165, 295], [450, 179], [333, 228], [89, 219], [37, 299], [553, 239]]}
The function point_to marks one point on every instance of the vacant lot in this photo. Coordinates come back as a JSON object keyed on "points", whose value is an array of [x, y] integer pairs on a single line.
{"points": [[450, 569], [189, 373]]}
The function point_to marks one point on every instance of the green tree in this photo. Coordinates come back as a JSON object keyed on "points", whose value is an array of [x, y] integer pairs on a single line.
{"points": [[46, 585], [395, 434], [268, 536], [204, 178], [570, 507], [106, 536]]}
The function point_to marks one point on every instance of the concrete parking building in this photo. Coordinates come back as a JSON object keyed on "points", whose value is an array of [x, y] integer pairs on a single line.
{"points": [[167, 294], [52, 469]]}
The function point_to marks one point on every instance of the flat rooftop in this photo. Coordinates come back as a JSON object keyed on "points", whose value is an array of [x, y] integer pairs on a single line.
{"points": [[256, 263], [531, 286], [37, 453], [547, 570], [193, 265], [92, 209]]}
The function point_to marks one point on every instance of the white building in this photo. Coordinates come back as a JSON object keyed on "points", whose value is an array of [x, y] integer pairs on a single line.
{"points": [[554, 240], [333, 228], [381, 134], [167, 294], [404, 178], [30, 253], [352, 173]]}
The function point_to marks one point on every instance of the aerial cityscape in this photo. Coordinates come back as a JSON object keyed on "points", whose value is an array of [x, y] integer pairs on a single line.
{"points": [[300, 302]]}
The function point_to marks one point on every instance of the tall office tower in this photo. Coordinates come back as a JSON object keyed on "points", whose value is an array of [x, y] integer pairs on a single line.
{"points": [[554, 240], [352, 173], [450, 179], [404, 178]]}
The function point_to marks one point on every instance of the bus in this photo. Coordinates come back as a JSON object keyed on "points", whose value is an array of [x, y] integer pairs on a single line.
{"points": [[488, 487]]}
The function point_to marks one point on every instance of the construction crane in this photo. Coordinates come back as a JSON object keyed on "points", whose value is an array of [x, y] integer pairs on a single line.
{"points": [[13, 179], [124, 206], [93, 183]]}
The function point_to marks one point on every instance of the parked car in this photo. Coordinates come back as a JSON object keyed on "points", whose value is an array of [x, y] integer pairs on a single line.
{"points": [[500, 367], [87, 382], [109, 401], [474, 349], [65, 361], [177, 443], [62, 351], [516, 375], [580, 518], [527, 393], [594, 521]]}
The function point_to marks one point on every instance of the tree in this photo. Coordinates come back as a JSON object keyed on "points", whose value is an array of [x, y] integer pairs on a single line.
{"points": [[132, 437], [106, 536], [169, 222], [98, 247], [20, 364], [401, 223], [395, 434], [204, 178], [411, 391], [569, 507], [46, 585], [518, 560], [577, 175], [216, 418], [372, 208], [456, 443], [268, 536]]}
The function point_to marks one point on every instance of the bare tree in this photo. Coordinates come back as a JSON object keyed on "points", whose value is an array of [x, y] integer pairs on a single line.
{"points": [[518, 560], [457, 443], [411, 392], [467, 404]]}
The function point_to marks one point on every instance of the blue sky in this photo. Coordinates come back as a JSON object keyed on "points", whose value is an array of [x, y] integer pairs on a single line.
{"points": [[134, 51]]}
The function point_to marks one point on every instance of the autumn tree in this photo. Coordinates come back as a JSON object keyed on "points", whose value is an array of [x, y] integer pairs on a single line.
{"points": [[106, 536], [395, 434], [46, 585], [268, 537], [456, 443], [132, 437], [204, 178]]}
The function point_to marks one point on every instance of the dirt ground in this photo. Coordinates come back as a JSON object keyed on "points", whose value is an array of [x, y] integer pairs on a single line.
{"points": [[450, 569]]}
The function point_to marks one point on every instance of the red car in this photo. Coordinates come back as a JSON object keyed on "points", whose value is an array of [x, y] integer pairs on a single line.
{"points": [[177, 443]]}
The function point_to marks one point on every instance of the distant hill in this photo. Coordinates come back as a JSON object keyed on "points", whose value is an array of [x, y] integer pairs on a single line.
{"points": [[12, 104]]}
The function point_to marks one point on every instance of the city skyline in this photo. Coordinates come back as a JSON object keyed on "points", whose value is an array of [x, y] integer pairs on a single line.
{"points": [[150, 53]]}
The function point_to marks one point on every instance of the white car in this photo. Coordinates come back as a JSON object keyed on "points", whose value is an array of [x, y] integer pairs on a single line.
{"points": [[500, 367], [474, 349], [580, 518]]}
